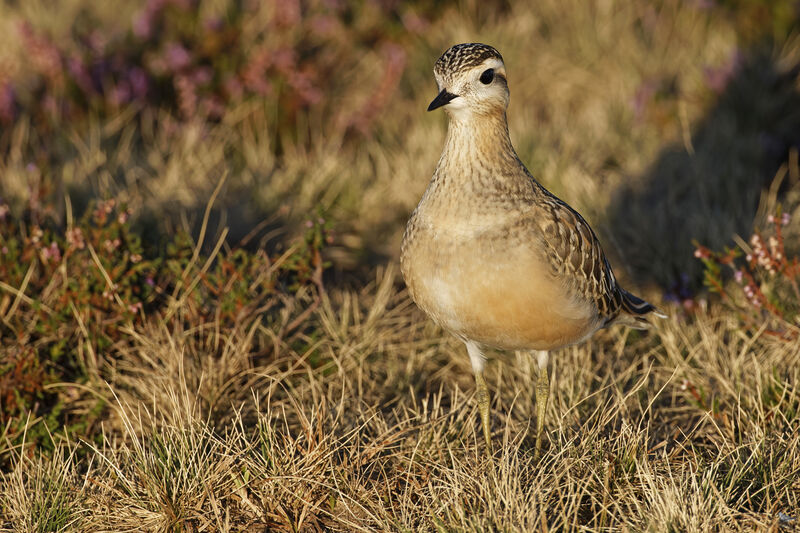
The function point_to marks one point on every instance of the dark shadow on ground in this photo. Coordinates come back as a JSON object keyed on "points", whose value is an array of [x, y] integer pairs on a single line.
{"points": [[711, 194]]}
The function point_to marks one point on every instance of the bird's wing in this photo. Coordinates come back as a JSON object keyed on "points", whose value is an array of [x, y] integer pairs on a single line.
{"points": [[576, 257]]}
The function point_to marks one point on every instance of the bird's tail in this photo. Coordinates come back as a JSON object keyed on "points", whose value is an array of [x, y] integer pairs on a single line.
{"points": [[634, 310]]}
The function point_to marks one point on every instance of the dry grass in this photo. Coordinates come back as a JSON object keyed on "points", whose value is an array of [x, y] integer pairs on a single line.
{"points": [[384, 434], [367, 421]]}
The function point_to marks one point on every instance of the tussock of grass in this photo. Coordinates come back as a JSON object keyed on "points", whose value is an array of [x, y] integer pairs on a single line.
{"points": [[45, 493]]}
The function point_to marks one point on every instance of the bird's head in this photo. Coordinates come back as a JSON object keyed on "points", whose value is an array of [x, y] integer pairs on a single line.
{"points": [[472, 80]]}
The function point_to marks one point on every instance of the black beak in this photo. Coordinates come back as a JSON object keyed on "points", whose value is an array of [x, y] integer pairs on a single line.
{"points": [[443, 98]]}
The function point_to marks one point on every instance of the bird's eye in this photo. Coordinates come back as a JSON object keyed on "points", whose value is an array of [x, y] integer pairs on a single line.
{"points": [[487, 76]]}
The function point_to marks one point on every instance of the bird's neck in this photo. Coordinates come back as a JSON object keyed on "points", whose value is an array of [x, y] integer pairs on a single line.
{"points": [[478, 156], [478, 138]]}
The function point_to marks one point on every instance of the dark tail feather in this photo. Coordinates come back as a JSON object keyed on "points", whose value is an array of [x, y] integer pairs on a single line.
{"points": [[634, 309]]}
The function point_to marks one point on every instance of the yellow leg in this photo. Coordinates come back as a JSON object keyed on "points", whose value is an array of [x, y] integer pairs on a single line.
{"points": [[542, 393], [483, 407], [477, 359]]}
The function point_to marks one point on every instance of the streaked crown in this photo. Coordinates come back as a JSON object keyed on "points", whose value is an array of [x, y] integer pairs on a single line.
{"points": [[463, 57]]}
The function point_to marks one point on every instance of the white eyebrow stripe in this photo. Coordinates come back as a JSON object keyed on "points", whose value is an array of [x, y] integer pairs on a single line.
{"points": [[492, 62]]}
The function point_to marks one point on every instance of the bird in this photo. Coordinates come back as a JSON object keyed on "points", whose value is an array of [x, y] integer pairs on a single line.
{"points": [[489, 253]]}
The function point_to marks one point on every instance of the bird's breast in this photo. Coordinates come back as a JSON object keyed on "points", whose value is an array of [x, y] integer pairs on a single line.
{"points": [[491, 285]]}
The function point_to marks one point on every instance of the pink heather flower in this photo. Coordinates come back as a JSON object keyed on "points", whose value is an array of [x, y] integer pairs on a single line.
{"points": [[213, 107], [55, 252], [141, 26], [773, 244], [738, 276], [233, 88], [135, 258], [80, 74], [285, 60], [4, 249], [323, 25], [51, 252], [309, 224], [97, 41], [177, 56], [150, 281], [748, 258], [143, 23], [202, 75], [785, 219], [50, 104], [287, 13], [213, 24], [253, 74], [120, 94], [36, 235], [770, 219], [75, 238], [763, 257], [123, 217], [133, 308], [414, 23], [43, 55], [302, 83], [187, 95]]}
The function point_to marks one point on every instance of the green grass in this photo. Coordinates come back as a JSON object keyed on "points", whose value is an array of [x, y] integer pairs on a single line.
{"points": [[262, 386]]}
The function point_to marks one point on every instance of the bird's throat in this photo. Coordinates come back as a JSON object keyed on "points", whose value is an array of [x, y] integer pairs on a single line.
{"points": [[478, 154]]}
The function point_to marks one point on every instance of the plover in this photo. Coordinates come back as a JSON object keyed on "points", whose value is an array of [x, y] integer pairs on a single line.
{"points": [[489, 253]]}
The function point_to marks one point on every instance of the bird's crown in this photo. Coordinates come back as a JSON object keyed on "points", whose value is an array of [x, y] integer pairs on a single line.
{"points": [[464, 56]]}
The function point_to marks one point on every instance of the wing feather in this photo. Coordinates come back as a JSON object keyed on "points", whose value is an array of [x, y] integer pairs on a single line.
{"points": [[575, 255]]}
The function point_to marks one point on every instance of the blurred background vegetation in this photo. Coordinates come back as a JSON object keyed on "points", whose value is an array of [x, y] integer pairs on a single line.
{"points": [[202, 161], [655, 119]]}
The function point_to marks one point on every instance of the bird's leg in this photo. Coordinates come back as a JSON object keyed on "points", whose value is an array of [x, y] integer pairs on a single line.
{"points": [[483, 407], [542, 393], [477, 359]]}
